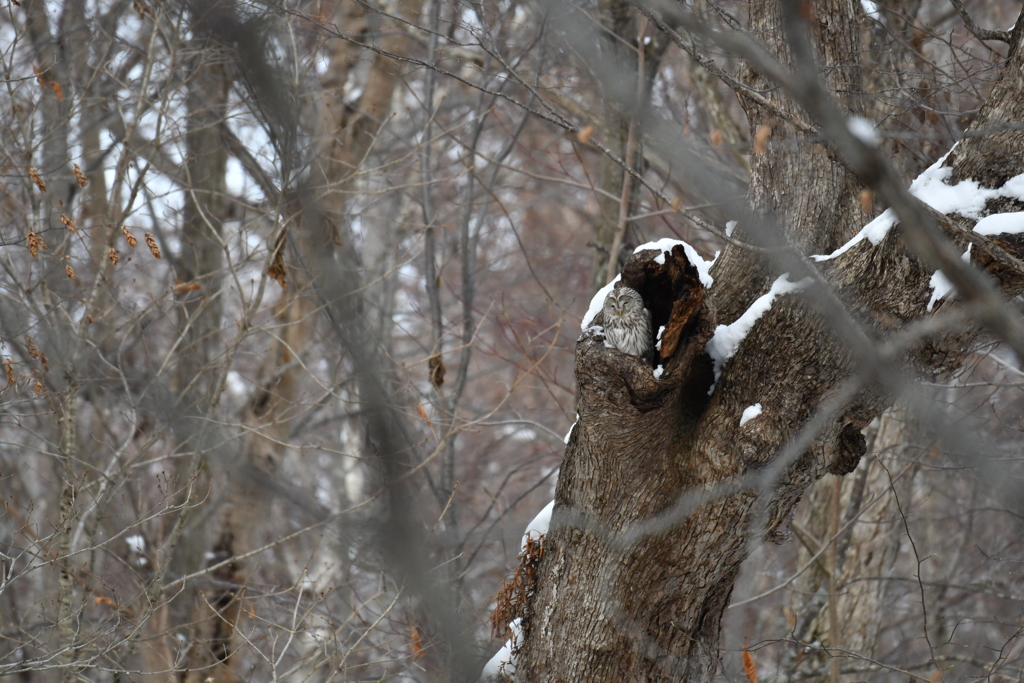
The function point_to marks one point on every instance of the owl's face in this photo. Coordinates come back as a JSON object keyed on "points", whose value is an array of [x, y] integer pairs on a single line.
{"points": [[621, 302]]}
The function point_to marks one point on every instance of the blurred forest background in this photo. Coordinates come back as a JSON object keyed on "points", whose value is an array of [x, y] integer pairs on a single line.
{"points": [[194, 481]]}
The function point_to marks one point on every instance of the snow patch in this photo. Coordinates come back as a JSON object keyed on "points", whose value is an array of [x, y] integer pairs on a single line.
{"points": [[569, 433], [539, 526], [940, 284], [136, 543], [657, 344], [729, 227], [727, 338], [666, 244], [861, 128], [1014, 188], [999, 223], [658, 372], [871, 9], [966, 198], [597, 303], [503, 662], [749, 413], [927, 186], [874, 231]]}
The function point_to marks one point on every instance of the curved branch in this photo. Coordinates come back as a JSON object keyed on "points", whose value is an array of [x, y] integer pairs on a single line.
{"points": [[979, 33]]}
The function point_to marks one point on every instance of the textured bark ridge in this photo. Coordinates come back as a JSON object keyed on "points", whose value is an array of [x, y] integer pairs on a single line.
{"points": [[623, 465], [657, 503]]}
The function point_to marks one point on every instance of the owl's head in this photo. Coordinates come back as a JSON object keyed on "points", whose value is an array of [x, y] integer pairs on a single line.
{"points": [[622, 302]]}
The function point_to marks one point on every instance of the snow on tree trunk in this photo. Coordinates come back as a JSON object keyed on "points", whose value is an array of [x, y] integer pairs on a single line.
{"points": [[662, 490]]}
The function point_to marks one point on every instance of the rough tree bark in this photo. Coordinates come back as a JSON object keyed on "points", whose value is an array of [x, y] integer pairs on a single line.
{"points": [[661, 490], [619, 124], [854, 597], [210, 615]]}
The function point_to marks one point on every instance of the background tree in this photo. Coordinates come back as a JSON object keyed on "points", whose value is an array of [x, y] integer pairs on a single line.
{"points": [[288, 317]]}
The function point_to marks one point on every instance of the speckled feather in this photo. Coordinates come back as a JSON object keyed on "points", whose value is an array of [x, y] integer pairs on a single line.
{"points": [[627, 323]]}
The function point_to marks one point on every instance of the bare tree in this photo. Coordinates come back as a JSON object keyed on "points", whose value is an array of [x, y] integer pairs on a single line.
{"points": [[288, 312]]}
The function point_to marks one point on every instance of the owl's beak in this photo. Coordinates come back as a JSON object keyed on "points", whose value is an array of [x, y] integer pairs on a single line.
{"points": [[620, 313]]}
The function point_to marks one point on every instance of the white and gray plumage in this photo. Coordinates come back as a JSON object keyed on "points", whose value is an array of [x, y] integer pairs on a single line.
{"points": [[627, 323]]}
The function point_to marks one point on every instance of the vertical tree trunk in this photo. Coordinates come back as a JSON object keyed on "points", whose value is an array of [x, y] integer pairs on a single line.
{"points": [[620, 128], [864, 555], [663, 488], [199, 319], [808, 190], [344, 135]]}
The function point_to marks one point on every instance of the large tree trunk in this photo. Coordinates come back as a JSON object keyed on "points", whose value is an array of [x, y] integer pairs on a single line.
{"points": [[662, 491], [620, 126], [211, 615]]}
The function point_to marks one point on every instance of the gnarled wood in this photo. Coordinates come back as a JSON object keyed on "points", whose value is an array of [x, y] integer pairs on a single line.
{"points": [[662, 489]]}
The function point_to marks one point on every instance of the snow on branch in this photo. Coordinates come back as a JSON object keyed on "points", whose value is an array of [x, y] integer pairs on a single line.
{"points": [[966, 198], [749, 413], [597, 303], [568, 435], [665, 246], [539, 526], [727, 338], [502, 665], [863, 130], [940, 284]]}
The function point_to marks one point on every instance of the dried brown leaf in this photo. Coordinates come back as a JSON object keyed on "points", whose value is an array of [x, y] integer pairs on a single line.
{"points": [[79, 175], [68, 223], [511, 601], [585, 134], [34, 176], [277, 268], [748, 665], [58, 91], [35, 353], [151, 243], [129, 236], [437, 370], [69, 270], [422, 412], [181, 287], [9, 369], [38, 388], [35, 243], [114, 255], [102, 600], [417, 643], [677, 203]]}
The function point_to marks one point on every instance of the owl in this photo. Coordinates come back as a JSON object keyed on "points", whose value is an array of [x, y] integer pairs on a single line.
{"points": [[627, 324]]}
